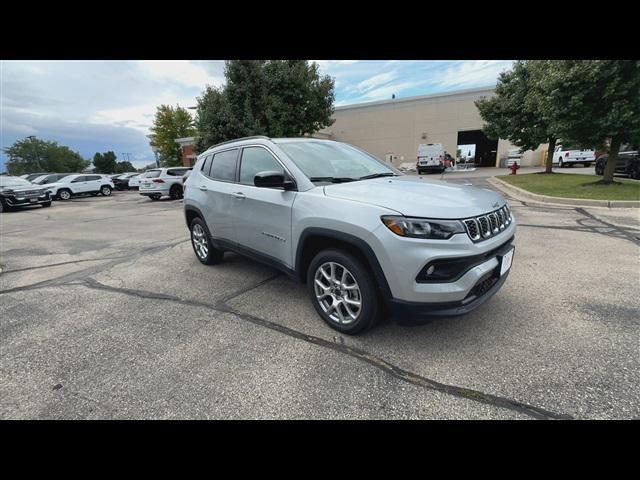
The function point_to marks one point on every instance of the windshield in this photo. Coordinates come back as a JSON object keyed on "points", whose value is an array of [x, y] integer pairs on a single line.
{"points": [[13, 182], [325, 160]]}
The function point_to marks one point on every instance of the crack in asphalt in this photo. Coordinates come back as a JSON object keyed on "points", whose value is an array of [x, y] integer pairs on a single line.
{"points": [[87, 272], [221, 306]]}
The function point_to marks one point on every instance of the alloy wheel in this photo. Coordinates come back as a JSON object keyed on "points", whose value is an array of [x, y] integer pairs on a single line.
{"points": [[338, 293], [199, 239], [64, 195]]}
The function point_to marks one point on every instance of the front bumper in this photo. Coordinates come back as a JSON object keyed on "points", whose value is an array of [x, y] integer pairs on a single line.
{"points": [[402, 260], [414, 312], [18, 201]]}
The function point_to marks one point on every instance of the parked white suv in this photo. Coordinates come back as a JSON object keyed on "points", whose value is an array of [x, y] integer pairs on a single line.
{"points": [[160, 182], [71, 185], [362, 235], [563, 156]]}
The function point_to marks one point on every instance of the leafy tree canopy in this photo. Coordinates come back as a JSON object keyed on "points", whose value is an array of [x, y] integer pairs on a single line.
{"points": [[35, 155], [591, 103], [169, 124], [105, 162], [278, 98]]}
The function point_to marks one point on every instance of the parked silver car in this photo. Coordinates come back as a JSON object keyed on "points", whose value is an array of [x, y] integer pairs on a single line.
{"points": [[362, 235]]}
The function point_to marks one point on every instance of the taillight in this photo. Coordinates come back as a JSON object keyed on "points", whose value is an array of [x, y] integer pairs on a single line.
{"points": [[158, 180]]}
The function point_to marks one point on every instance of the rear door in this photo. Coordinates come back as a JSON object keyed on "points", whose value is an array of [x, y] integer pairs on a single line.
{"points": [[79, 184], [218, 184], [93, 183], [263, 215]]}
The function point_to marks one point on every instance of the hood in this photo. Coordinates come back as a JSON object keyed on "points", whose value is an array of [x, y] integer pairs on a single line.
{"points": [[23, 188], [418, 197]]}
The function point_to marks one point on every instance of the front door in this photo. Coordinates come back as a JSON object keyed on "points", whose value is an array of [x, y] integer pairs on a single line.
{"points": [[263, 215]]}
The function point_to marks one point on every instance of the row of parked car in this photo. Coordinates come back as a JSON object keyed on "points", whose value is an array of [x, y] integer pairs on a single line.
{"points": [[42, 188]]}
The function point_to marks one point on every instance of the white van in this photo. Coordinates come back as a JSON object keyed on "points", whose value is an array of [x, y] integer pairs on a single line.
{"points": [[430, 158]]}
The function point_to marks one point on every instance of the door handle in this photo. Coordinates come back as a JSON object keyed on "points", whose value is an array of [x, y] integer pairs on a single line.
{"points": [[203, 188], [239, 195]]}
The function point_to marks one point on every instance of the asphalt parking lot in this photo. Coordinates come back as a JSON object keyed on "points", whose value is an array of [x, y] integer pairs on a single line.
{"points": [[105, 312]]}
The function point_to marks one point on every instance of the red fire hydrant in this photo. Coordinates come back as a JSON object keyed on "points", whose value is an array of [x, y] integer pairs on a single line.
{"points": [[514, 168]]}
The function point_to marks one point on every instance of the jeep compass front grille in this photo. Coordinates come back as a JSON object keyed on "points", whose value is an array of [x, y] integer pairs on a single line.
{"points": [[486, 226]]}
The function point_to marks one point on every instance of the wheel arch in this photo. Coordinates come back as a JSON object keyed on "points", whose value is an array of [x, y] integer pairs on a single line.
{"points": [[191, 212], [314, 239]]}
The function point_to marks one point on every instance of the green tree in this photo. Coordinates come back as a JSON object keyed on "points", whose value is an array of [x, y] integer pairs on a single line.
{"points": [[275, 98], [105, 162], [170, 123], [126, 166], [592, 103], [34, 155], [515, 113]]}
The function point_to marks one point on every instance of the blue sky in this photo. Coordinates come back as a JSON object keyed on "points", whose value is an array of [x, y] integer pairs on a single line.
{"points": [[95, 106]]}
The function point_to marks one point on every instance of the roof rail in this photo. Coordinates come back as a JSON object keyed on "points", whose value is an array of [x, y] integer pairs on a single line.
{"points": [[239, 140]]}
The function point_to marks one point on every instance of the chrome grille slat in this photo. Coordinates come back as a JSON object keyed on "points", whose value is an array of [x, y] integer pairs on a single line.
{"points": [[486, 226]]}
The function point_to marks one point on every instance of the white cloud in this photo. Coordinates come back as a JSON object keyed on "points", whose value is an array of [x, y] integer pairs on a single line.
{"points": [[472, 73], [182, 72], [376, 81]]}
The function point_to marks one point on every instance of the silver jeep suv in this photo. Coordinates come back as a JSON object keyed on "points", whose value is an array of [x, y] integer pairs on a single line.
{"points": [[365, 238]]}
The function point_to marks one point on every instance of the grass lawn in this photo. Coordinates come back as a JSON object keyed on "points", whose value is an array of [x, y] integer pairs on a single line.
{"points": [[575, 186]]}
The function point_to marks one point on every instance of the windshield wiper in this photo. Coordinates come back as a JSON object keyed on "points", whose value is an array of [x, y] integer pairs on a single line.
{"points": [[332, 179], [378, 175]]}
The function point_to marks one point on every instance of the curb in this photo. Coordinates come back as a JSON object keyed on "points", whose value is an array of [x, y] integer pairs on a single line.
{"points": [[521, 194]]}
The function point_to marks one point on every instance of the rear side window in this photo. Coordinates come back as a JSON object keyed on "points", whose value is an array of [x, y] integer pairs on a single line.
{"points": [[176, 172], [79, 179], [91, 178], [223, 166], [206, 165], [151, 174], [255, 160]]}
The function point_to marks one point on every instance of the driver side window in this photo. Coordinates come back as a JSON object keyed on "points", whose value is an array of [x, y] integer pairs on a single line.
{"points": [[255, 160]]}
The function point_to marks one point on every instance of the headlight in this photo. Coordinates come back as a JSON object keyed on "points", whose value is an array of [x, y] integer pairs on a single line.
{"points": [[422, 227]]}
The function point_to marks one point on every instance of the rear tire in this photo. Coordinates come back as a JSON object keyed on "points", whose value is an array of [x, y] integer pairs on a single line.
{"points": [[202, 243], [587, 165], [175, 192], [365, 292]]}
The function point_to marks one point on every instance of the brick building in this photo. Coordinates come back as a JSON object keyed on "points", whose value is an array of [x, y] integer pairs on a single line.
{"points": [[187, 146]]}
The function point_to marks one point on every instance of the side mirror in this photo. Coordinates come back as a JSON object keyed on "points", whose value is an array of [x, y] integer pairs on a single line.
{"points": [[272, 179]]}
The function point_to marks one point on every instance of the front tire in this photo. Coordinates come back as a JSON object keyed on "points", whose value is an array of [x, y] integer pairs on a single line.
{"points": [[202, 243], [343, 292], [105, 190], [64, 194]]}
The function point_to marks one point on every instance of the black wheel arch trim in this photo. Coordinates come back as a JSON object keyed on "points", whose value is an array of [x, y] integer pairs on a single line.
{"points": [[356, 242], [191, 208]]}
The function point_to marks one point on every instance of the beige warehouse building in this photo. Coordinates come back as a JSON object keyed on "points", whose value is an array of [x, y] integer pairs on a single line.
{"points": [[393, 129]]}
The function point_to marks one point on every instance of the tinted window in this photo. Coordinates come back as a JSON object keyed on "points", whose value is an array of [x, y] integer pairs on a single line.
{"points": [[223, 165], [79, 179], [151, 174], [254, 160], [91, 178], [206, 165], [176, 172]]}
